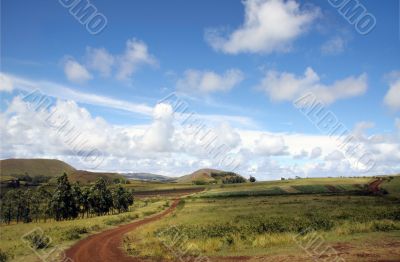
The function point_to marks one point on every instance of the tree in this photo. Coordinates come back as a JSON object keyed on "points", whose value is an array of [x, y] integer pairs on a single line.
{"points": [[100, 197], [77, 195], [233, 180], [45, 202], [85, 202], [8, 206], [63, 204], [122, 199], [252, 179]]}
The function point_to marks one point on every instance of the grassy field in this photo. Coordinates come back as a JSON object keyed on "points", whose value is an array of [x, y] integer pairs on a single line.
{"points": [[65, 233], [253, 220], [218, 223]]}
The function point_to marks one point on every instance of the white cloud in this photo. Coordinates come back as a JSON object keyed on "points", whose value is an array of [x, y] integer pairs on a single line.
{"points": [[162, 146], [335, 155], [196, 81], [284, 86], [316, 152], [269, 26], [392, 97], [158, 136], [100, 60], [136, 54], [76, 72], [333, 46], [269, 145], [6, 84]]}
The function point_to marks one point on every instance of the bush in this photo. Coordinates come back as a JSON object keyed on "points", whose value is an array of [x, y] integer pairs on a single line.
{"points": [[95, 227], [3, 256], [384, 226], [37, 240], [199, 182], [74, 233], [120, 219]]}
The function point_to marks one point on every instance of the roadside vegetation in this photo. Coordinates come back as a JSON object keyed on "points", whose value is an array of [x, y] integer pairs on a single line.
{"points": [[17, 240]]}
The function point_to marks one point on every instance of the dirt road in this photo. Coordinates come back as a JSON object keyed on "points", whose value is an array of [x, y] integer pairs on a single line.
{"points": [[107, 246], [373, 187]]}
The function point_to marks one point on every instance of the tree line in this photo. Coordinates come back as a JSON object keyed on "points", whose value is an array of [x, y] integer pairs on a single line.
{"points": [[65, 202]]}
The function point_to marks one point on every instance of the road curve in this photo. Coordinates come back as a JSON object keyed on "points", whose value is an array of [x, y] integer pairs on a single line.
{"points": [[107, 246]]}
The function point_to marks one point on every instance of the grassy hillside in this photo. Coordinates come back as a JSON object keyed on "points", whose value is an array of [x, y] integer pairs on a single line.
{"points": [[392, 186], [34, 167], [52, 168], [86, 177], [206, 175]]}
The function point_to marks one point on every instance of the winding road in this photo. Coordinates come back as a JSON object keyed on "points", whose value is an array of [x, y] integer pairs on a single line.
{"points": [[107, 245]]}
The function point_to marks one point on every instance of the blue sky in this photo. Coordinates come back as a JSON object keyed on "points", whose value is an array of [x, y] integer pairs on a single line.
{"points": [[239, 65]]}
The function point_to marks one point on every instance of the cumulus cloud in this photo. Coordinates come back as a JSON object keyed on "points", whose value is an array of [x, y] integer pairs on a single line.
{"points": [[75, 72], [284, 86], [205, 82], [269, 145], [161, 145], [121, 66], [269, 26], [158, 136], [136, 54], [335, 155], [99, 59], [392, 97], [6, 84], [333, 46], [316, 152]]}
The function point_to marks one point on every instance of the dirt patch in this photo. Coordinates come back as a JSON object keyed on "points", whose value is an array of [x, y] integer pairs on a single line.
{"points": [[106, 246], [373, 187]]}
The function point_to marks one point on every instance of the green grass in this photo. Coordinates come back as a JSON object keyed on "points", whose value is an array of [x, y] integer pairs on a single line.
{"points": [[248, 225], [65, 233], [392, 186]]}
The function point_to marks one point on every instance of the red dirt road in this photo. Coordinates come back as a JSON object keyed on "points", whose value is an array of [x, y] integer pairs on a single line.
{"points": [[106, 246], [373, 187]]}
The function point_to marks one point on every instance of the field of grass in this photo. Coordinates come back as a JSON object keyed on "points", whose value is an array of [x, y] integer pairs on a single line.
{"points": [[296, 186], [219, 223], [65, 233], [392, 186]]}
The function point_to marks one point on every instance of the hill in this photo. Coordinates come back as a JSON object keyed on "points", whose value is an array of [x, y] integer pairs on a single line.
{"points": [[149, 177], [50, 168], [206, 175], [87, 177], [34, 167]]}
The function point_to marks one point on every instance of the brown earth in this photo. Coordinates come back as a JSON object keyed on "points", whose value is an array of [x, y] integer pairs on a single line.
{"points": [[107, 246]]}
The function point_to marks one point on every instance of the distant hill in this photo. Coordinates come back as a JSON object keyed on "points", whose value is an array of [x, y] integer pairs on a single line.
{"points": [[34, 167], [206, 175], [149, 177], [87, 177], [15, 168]]}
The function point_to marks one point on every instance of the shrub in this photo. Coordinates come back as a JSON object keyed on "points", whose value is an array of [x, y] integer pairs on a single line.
{"points": [[74, 233], [3, 256], [37, 240], [95, 227], [199, 182], [120, 219], [384, 225]]}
